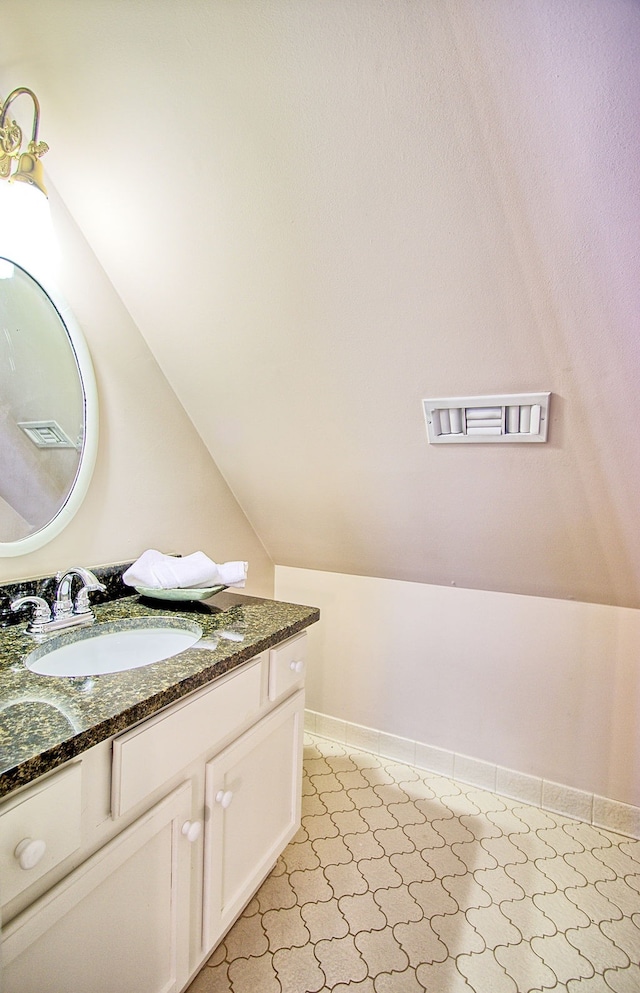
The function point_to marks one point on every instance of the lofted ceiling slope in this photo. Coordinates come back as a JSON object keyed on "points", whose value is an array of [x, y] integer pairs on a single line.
{"points": [[320, 212]]}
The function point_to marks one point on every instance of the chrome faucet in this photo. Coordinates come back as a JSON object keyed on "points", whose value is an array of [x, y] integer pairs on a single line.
{"points": [[66, 612], [63, 606]]}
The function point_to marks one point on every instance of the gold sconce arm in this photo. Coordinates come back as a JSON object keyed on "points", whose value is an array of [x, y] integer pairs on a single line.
{"points": [[28, 168]]}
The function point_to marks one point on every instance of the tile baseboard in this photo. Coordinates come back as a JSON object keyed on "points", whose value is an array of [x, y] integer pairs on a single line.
{"points": [[590, 808]]}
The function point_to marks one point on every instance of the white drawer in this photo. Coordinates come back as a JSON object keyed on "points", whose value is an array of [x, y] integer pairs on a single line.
{"points": [[38, 829], [154, 752], [287, 665]]}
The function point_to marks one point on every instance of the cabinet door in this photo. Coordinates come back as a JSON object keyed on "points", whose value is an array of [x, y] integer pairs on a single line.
{"points": [[253, 792], [118, 922]]}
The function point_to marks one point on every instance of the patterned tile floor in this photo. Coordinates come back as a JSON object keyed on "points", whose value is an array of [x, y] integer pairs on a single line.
{"points": [[401, 881]]}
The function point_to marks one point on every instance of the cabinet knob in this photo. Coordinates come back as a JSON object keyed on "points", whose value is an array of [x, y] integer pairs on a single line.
{"points": [[224, 798], [296, 666], [191, 830], [29, 852]]}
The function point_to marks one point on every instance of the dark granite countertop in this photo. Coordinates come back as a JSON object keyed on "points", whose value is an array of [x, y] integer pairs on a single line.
{"points": [[46, 720]]}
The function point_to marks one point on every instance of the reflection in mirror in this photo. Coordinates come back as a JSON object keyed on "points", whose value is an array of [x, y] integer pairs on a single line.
{"points": [[48, 419]]}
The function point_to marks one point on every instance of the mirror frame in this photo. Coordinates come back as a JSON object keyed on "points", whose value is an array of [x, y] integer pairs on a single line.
{"points": [[89, 453]]}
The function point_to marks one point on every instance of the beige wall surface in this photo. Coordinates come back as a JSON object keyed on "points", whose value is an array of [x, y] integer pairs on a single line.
{"points": [[154, 485], [545, 687], [319, 213]]}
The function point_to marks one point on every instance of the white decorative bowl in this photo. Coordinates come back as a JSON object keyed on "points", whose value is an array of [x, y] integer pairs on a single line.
{"points": [[185, 594]]}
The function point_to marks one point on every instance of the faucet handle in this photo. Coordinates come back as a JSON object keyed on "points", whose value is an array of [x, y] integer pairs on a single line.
{"points": [[82, 605], [41, 614]]}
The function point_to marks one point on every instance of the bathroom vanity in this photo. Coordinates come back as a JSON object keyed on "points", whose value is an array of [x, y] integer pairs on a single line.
{"points": [[141, 810]]}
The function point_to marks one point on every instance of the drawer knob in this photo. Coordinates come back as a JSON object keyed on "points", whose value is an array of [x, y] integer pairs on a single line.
{"points": [[296, 666], [191, 830], [224, 798], [29, 852]]}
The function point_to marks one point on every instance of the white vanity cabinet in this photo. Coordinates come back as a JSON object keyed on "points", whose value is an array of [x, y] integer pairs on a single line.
{"points": [[117, 922], [155, 840]]}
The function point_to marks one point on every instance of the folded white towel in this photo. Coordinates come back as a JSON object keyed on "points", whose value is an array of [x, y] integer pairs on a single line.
{"points": [[166, 572], [233, 573]]}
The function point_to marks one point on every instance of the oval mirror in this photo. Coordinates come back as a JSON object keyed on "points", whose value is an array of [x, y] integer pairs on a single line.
{"points": [[48, 412]]}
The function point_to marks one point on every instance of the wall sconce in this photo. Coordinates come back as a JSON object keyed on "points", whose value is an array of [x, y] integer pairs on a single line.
{"points": [[17, 165], [26, 229]]}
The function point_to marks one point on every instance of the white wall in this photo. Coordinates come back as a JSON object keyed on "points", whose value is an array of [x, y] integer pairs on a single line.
{"points": [[155, 484], [318, 213], [550, 688]]}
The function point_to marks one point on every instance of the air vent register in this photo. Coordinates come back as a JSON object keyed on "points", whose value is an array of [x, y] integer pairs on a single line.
{"points": [[516, 417]]}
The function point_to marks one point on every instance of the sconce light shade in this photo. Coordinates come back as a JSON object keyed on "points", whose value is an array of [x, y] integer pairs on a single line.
{"points": [[29, 170]]}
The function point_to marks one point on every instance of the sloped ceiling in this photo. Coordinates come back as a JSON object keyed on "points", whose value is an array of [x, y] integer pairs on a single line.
{"points": [[319, 212]]}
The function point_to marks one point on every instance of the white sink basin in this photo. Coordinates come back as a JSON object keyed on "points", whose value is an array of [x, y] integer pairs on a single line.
{"points": [[113, 647]]}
